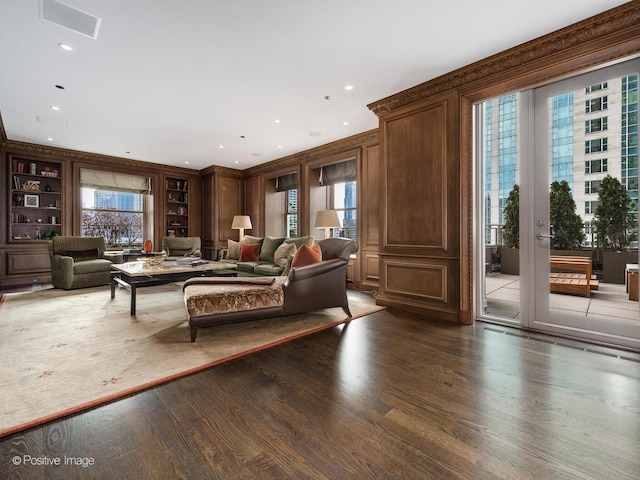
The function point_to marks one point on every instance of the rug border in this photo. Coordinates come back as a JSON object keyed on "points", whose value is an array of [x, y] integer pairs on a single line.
{"points": [[83, 407]]}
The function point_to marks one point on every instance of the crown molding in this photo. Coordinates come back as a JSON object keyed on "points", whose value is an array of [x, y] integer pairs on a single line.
{"points": [[3, 133], [22, 148], [327, 149], [224, 171], [609, 23]]}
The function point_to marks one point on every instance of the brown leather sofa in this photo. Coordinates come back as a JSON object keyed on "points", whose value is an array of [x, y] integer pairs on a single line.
{"points": [[304, 289]]}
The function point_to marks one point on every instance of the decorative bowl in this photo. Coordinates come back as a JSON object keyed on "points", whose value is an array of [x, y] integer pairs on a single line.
{"points": [[156, 259]]}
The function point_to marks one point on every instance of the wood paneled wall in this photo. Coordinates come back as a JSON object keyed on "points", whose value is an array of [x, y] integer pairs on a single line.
{"points": [[426, 254]]}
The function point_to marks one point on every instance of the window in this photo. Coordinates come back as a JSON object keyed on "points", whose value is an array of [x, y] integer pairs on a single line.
{"points": [[590, 207], [116, 216], [596, 87], [592, 186], [596, 125], [292, 213], [596, 145], [114, 206], [343, 196], [596, 104], [596, 166]]}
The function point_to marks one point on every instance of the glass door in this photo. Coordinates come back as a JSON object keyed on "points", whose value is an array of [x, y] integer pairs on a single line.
{"points": [[583, 183]]}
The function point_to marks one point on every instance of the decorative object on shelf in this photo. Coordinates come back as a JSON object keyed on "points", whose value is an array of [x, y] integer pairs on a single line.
{"points": [[53, 220], [148, 246], [47, 188], [49, 173], [241, 222], [171, 233], [17, 199], [31, 185], [38, 236], [31, 200], [32, 168], [327, 219]]}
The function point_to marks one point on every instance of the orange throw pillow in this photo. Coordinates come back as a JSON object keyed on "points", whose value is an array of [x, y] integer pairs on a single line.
{"points": [[250, 252], [306, 255]]}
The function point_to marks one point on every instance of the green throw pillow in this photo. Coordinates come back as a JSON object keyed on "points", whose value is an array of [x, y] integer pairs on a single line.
{"points": [[269, 246]]}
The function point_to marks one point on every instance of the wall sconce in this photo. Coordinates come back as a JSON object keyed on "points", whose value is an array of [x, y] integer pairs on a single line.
{"points": [[240, 222], [327, 219]]}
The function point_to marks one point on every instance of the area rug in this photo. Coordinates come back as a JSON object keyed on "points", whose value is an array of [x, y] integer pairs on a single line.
{"points": [[68, 351]]}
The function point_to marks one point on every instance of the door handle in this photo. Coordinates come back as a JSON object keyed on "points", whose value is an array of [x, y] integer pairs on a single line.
{"points": [[542, 236]]}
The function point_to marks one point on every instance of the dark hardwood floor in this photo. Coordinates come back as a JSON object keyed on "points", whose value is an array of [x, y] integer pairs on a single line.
{"points": [[386, 396]]}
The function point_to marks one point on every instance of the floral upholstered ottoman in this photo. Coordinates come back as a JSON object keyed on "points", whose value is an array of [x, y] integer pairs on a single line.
{"points": [[215, 300]]}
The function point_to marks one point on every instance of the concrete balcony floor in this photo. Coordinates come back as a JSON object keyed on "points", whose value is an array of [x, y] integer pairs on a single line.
{"points": [[610, 301]]}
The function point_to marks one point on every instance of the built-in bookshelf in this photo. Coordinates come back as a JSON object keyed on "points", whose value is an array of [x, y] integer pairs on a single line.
{"points": [[177, 207], [36, 199]]}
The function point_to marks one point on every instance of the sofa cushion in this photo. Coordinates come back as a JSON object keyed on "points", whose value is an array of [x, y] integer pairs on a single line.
{"points": [[306, 240], [81, 255], [233, 250], [246, 266], [91, 266], [306, 255], [250, 252], [282, 253], [268, 269], [269, 246]]}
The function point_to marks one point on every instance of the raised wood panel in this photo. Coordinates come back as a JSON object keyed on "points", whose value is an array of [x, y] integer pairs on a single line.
{"points": [[369, 204], [371, 262], [253, 203], [27, 262], [420, 168], [410, 279], [228, 204]]}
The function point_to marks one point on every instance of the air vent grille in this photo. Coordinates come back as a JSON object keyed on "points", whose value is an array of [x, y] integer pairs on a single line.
{"points": [[70, 18]]}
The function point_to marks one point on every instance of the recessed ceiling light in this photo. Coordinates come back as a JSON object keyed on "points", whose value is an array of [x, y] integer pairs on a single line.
{"points": [[327, 97], [314, 134], [61, 87], [66, 47], [50, 139], [127, 152], [236, 162], [186, 163], [220, 146], [345, 123], [348, 87], [55, 107], [279, 146], [277, 121]]}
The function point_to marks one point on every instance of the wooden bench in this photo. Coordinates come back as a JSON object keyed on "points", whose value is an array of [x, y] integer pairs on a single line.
{"points": [[575, 283]]}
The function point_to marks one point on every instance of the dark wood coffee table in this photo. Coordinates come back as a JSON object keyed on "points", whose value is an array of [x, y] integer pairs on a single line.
{"points": [[134, 275]]}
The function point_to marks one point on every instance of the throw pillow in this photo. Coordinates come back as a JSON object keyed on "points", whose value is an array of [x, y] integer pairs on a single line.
{"points": [[269, 246], [306, 240], [250, 252], [282, 253], [306, 255], [233, 250]]}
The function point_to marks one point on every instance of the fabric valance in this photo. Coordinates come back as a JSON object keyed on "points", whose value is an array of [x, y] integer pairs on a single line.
{"points": [[286, 182], [112, 181], [338, 172]]}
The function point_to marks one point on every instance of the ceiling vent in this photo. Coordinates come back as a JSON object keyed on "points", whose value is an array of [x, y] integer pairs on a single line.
{"points": [[70, 18]]}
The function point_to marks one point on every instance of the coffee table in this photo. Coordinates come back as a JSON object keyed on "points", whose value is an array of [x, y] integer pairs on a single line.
{"points": [[134, 275]]}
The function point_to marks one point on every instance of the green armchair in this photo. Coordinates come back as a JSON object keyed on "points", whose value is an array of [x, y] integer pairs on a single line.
{"points": [[180, 246], [78, 262]]}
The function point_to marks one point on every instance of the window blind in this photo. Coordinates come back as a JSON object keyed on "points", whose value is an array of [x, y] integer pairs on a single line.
{"points": [[286, 182], [112, 181], [338, 172]]}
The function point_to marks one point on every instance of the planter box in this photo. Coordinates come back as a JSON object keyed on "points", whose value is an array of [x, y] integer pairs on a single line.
{"points": [[613, 264]]}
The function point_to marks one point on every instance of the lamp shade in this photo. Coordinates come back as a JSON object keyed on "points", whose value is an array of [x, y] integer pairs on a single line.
{"points": [[241, 222], [327, 219]]}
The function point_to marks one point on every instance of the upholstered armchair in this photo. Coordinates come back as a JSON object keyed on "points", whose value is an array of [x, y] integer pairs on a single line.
{"points": [[181, 246], [78, 262]]}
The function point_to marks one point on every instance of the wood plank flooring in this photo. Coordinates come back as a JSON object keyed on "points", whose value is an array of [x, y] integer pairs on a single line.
{"points": [[389, 396]]}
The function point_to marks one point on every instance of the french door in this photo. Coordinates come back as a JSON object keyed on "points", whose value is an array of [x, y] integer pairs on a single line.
{"points": [[566, 137], [585, 132]]}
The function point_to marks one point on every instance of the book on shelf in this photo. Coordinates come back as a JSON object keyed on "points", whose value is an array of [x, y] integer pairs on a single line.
{"points": [[20, 167], [16, 182]]}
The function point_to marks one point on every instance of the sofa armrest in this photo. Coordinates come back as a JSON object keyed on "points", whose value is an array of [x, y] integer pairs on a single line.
{"points": [[113, 257], [309, 271]]}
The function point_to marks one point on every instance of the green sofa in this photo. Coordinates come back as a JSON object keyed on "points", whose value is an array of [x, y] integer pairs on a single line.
{"points": [[265, 266]]}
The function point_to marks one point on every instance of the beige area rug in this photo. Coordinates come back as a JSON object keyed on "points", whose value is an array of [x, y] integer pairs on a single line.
{"points": [[68, 351]]}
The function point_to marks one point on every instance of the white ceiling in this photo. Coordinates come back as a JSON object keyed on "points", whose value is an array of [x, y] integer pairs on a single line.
{"points": [[170, 82]]}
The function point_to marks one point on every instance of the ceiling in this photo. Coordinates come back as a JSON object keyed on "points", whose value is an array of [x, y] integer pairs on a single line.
{"points": [[203, 82]]}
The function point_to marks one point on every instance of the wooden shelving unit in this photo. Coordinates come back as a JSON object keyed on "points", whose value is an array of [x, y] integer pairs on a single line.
{"points": [[176, 207], [36, 199]]}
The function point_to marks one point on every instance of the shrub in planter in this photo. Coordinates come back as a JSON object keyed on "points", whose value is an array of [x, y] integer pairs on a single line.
{"points": [[615, 224], [568, 228]]}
